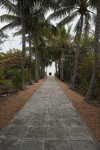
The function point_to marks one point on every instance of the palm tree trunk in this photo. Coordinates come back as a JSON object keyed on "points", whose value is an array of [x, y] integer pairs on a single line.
{"points": [[56, 66], [46, 70], [62, 60], [23, 44], [72, 86], [42, 73], [89, 95], [60, 67], [42, 70], [30, 57], [36, 59], [86, 31]]}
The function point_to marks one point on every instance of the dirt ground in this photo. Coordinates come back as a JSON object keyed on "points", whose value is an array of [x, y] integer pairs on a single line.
{"points": [[10, 106], [89, 113]]}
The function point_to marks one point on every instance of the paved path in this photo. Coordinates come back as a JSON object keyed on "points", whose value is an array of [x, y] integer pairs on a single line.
{"points": [[48, 121]]}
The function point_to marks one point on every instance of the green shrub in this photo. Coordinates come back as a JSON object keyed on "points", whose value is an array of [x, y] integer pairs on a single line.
{"points": [[15, 76], [2, 77]]}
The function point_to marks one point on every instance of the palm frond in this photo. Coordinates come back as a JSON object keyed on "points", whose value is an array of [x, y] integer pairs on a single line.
{"points": [[93, 3], [52, 4], [59, 13], [11, 25], [17, 33], [11, 7], [50, 27], [68, 3], [68, 19], [8, 18]]}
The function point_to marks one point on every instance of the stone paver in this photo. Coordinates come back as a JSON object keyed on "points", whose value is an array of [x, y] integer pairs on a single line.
{"points": [[48, 121]]}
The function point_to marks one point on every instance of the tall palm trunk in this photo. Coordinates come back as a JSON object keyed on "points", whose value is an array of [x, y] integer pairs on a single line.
{"points": [[23, 44], [89, 95], [56, 66], [30, 57], [72, 86], [60, 68], [42, 70], [86, 31], [62, 60], [42, 73], [36, 59]]}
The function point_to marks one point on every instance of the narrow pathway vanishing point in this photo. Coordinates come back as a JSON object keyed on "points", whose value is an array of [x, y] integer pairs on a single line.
{"points": [[48, 121]]}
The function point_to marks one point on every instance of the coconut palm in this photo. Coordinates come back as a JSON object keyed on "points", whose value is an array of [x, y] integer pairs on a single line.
{"points": [[43, 28], [59, 43], [20, 11], [15, 21], [89, 95], [69, 10], [63, 40], [22, 5], [45, 54]]}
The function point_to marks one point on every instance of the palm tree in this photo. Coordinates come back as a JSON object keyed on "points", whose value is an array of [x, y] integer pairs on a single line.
{"points": [[45, 53], [10, 6], [28, 22], [70, 10], [17, 19], [89, 95], [39, 26], [30, 57], [61, 41], [22, 4]]}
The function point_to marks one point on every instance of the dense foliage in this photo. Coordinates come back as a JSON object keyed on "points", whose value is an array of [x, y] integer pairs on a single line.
{"points": [[84, 72], [10, 70]]}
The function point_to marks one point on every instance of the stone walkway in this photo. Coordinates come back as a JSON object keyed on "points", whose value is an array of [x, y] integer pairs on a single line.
{"points": [[48, 121]]}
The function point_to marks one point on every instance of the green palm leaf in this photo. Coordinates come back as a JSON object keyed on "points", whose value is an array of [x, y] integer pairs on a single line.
{"points": [[11, 25], [68, 19], [59, 13], [8, 18]]}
